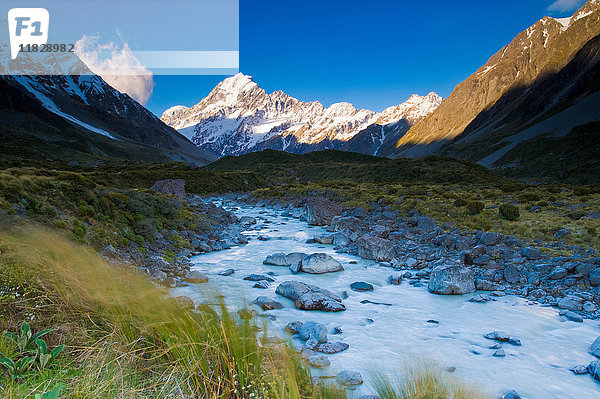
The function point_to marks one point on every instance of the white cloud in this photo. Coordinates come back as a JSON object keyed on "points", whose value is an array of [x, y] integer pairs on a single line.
{"points": [[117, 66], [565, 5]]}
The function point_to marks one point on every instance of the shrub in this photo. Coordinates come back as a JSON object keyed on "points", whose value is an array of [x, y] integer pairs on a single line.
{"points": [[460, 202], [509, 212], [475, 207]]}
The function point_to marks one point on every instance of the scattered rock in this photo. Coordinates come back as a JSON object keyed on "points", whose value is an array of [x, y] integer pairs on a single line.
{"points": [[479, 298], [510, 395], [499, 353], [361, 286], [313, 330], [331, 347], [266, 303], [349, 378], [486, 285], [310, 297], [320, 211], [278, 259], [320, 263], [557, 273], [594, 369], [375, 248], [324, 239], [247, 220], [227, 272], [263, 285], [580, 369], [318, 361], [375, 303], [451, 280], [395, 279], [258, 277], [570, 302], [293, 327], [173, 187], [532, 253], [503, 337]]}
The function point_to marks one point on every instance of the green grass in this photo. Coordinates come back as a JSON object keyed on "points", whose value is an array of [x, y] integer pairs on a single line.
{"points": [[423, 380], [126, 339]]}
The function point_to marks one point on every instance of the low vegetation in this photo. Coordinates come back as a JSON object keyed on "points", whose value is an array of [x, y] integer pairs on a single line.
{"points": [[124, 338]]}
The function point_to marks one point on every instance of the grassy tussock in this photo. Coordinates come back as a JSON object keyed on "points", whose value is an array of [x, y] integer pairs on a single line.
{"points": [[127, 340], [422, 380]]}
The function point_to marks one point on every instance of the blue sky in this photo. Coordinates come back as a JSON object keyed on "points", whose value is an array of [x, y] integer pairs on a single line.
{"points": [[372, 53]]}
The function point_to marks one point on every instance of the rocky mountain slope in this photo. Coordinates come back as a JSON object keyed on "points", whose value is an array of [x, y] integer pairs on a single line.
{"points": [[543, 84], [79, 117], [238, 117]]}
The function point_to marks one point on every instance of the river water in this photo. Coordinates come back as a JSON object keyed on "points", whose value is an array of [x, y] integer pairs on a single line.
{"points": [[383, 338]]}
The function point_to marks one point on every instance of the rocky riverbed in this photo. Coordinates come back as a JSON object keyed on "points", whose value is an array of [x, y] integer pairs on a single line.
{"points": [[377, 294]]}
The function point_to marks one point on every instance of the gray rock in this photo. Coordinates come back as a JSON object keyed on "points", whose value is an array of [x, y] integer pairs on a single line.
{"points": [[263, 285], [510, 395], [375, 248], [580, 369], [503, 337], [331, 347], [486, 285], [490, 239], [479, 298], [590, 307], [110, 252], [395, 279], [349, 378], [451, 280], [594, 369], [361, 286], [295, 257], [278, 259], [293, 327], [313, 330], [266, 303], [318, 361], [557, 273], [511, 274], [227, 272], [320, 263], [168, 186], [258, 277], [426, 224], [499, 353], [311, 343], [340, 240], [310, 297], [595, 277], [532, 253], [570, 302], [320, 211], [324, 239], [595, 348], [195, 277]]}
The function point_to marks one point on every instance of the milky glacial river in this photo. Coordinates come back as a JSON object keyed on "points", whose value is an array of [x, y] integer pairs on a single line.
{"points": [[383, 338]]}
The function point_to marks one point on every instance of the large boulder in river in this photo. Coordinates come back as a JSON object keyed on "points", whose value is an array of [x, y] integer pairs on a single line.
{"points": [[349, 378], [320, 211], [451, 280], [276, 260], [168, 186], [375, 248], [310, 297], [320, 263]]}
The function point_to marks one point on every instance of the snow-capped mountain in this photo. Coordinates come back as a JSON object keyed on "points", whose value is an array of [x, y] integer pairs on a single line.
{"points": [[239, 117], [79, 110]]}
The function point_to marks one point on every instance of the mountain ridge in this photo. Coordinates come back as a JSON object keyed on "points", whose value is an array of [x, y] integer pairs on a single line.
{"points": [[239, 117]]}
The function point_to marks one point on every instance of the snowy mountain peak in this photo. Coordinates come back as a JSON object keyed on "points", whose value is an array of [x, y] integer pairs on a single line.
{"points": [[238, 116]]}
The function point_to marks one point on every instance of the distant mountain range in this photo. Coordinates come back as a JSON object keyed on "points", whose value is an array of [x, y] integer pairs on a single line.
{"points": [[80, 118], [238, 117], [525, 111]]}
